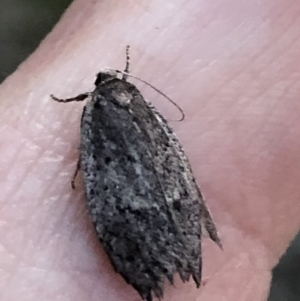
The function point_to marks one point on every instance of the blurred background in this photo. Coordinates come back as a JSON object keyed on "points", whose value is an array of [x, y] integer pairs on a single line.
{"points": [[23, 24]]}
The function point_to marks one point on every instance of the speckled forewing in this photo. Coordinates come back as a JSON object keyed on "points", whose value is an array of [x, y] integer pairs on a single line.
{"points": [[206, 219], [141, 193]]}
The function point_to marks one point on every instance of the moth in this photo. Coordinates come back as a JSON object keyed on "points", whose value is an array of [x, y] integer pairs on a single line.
{"points": [[141, 193]]}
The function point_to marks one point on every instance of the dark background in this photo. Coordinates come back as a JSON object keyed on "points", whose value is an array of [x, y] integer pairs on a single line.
{"points": [[23, 24]]}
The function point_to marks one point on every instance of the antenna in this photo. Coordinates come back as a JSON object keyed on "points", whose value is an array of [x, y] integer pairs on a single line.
{"points": [[126, 70], [158, 91]]}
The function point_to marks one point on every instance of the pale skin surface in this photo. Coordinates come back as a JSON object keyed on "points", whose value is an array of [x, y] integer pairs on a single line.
{"points": [[232, 66]]}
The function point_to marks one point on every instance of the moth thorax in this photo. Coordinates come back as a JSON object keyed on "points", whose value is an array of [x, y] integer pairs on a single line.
{"points": [[122, 97], [104, 76]]}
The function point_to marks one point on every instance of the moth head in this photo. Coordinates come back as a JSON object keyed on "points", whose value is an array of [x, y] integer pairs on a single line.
{"points": [[105, 75]]}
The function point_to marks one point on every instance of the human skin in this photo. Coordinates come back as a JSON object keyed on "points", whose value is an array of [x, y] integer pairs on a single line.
{"points": [[232, 66]]}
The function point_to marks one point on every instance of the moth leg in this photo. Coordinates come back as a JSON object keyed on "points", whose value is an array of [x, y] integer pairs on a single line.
{"points": [[210, 226], [79, 158], [79, 97], [83, 112], [75, 173]]}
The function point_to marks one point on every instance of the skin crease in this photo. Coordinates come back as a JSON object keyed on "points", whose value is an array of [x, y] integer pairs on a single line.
{"points": [[232, 66]]}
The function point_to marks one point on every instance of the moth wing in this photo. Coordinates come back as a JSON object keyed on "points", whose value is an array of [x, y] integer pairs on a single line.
{"points": [[145, 208]]}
